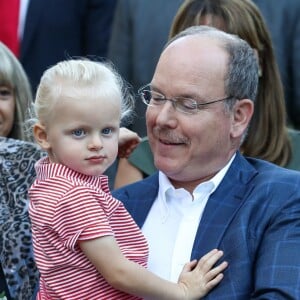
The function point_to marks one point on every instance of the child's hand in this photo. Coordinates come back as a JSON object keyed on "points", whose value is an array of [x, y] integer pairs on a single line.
{"points": [[128, 141], [199, 278]]}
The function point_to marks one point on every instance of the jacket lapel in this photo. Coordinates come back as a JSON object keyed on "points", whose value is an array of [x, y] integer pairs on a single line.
{"points": [[222, 206]]}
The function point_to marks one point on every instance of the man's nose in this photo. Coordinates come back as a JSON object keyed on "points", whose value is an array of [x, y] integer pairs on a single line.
{"points": [[166, 114]]}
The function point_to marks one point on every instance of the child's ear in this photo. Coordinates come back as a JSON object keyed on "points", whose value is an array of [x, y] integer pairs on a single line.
{"points": [[40, 136]]}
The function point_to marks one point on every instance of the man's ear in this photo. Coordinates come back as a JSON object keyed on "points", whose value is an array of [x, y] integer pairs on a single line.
{"points": [[242, 113], [40, 135]]}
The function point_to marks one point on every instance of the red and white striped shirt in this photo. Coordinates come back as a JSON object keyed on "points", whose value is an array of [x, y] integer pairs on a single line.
{"points": [[66, 206]]}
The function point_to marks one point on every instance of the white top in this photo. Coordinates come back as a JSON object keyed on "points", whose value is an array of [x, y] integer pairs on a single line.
{"points": [[172, 223], [22, 17]]}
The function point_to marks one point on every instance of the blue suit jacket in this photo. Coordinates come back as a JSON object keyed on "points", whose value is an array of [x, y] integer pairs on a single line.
{"points": [[56, 30], [254, 217]]}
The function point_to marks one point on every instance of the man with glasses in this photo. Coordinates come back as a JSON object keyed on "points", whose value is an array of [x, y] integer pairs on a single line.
{"points": [[206, 194], [183, 104]]}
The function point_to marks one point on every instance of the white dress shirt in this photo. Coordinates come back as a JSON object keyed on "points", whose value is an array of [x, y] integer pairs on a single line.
{"points": [[172, 223], [22, 17]]}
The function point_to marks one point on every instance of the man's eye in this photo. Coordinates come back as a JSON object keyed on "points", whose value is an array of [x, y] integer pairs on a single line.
{"points": [[78, 132], [107, 131], [158, 100], [188, 104]]}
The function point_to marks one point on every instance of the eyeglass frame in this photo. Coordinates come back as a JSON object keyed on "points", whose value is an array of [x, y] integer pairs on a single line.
{"points": [[174, 100]]}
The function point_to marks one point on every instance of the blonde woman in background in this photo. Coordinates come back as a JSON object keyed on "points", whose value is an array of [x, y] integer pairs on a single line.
{"points": [[15, 96]]}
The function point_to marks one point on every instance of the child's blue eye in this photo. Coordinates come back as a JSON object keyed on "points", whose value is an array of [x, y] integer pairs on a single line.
{"points": [[78, 132], [107, 131]]}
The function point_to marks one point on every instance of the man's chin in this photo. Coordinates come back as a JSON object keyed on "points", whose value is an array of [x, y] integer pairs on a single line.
{"points": [[166, 164]]}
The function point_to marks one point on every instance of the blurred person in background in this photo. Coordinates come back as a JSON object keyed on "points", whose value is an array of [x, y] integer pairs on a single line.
{"points": [[139, 31], [284, 24], [15, 96], [18, 274], [42, 33]]}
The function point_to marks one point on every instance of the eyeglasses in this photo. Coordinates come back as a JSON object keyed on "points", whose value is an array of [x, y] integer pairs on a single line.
{"points": [[182, 104]]}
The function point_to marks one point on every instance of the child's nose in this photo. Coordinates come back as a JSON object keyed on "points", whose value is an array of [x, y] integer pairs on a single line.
{"points": [[95, 143]]}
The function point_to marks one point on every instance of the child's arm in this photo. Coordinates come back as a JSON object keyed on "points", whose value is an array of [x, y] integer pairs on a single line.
{"points": [[128, 141], [132, 278]]}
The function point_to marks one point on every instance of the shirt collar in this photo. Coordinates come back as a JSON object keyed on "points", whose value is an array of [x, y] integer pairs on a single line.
{"points": [[46, 170], [209, 186]]}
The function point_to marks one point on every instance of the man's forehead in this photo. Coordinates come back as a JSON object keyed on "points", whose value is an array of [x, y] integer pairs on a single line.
{"points": [[194, 48], [192, 52], [189, 63]]}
